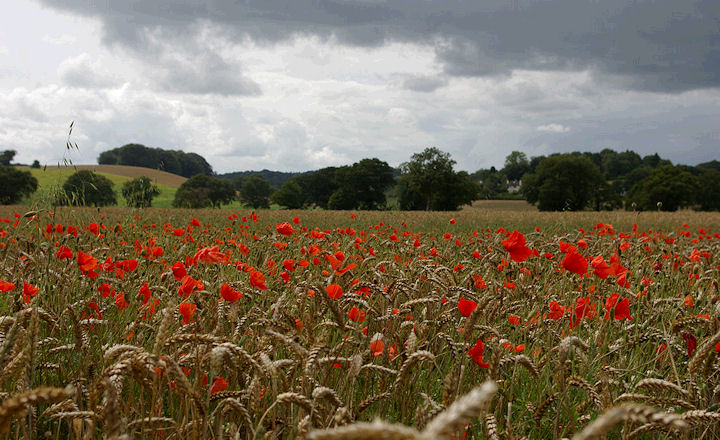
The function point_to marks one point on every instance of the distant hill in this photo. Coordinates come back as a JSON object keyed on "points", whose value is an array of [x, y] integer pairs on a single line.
{"points": [[172, 161], [276, 178], [161, 177]]}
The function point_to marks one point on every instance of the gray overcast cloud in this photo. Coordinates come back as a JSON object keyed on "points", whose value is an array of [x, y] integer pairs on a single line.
{"points": [[302, 84]]}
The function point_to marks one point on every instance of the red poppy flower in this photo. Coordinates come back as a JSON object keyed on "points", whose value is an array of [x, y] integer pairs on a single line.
{"points": [[514, 320], [120, 301], [574, 262], [28, 291], [377, 345], [691, 342], [479, 282], [127, 265], [6, 287], [556, 311], [86, 262], [584, 308], [257, 279], [622, 308], [189, 285], [218, 385], [211, 255], [600, 267], [476, 353], [689, 302], [229, 294], [145, 293], [515, 245], [64, 252], [284, 228], [466, 306], [178, 270], [334, 291], [357, 315], [178, 232], [106, 290], [187, 310]]}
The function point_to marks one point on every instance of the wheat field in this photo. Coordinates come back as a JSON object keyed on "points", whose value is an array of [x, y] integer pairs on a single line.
{"points": [[484, 323]]}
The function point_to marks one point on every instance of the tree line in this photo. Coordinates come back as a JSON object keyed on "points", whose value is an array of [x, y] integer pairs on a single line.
{"points": [[173, 161], [428, 181]]}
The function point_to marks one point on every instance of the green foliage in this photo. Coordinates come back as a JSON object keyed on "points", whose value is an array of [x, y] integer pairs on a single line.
{"points": [[289, 195], [202, 191], [492, 183], [707, 197], [6, 157], [86, 188], [429, 182], [516, 165], [317, 187], [362, 186], [172, 161], [35, 164], [139, 192], [15, 184], [255, 192], [566, 182], [667, 188], [276, 178]]}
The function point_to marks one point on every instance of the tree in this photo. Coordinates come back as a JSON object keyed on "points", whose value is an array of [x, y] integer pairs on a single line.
{"points": [[87, 188], [289, 195], [317, 187], [362, 186], [668, 185], [428, 182], [708, 195], [255, 192], [172, 161], [565, 182], [202, 191], [491, 182], [427, 172], [7, 156], [35, 164], [139, 192], [516, 165], [15, 184]]}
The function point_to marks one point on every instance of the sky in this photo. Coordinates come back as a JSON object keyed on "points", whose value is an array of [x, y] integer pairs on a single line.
{"points": [[298, 85]]}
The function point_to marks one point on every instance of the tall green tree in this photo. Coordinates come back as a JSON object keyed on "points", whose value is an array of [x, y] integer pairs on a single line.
{"points": [[202, 191], [516, 165], [668, 188], [15, 184], [565, 182], [362, 185], [139, 192], [255, 191], [429, 182], [7, 156], [318, 186], [87, 188], [707, 197], [289, 195]]}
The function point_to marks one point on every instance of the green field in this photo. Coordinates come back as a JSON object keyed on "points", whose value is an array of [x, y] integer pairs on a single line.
{"points": [[51, 179]]}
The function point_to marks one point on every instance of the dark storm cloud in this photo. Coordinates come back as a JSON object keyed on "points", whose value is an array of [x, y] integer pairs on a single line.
{"points": [[423, 83], [658, 45]]}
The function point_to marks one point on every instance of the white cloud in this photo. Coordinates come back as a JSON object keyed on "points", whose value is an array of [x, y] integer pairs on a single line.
{"points": [[553, 128], [60, 40], [84, 71]]}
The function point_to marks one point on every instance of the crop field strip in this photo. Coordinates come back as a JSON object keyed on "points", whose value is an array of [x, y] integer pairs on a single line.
{"points": [[483, 323]]}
